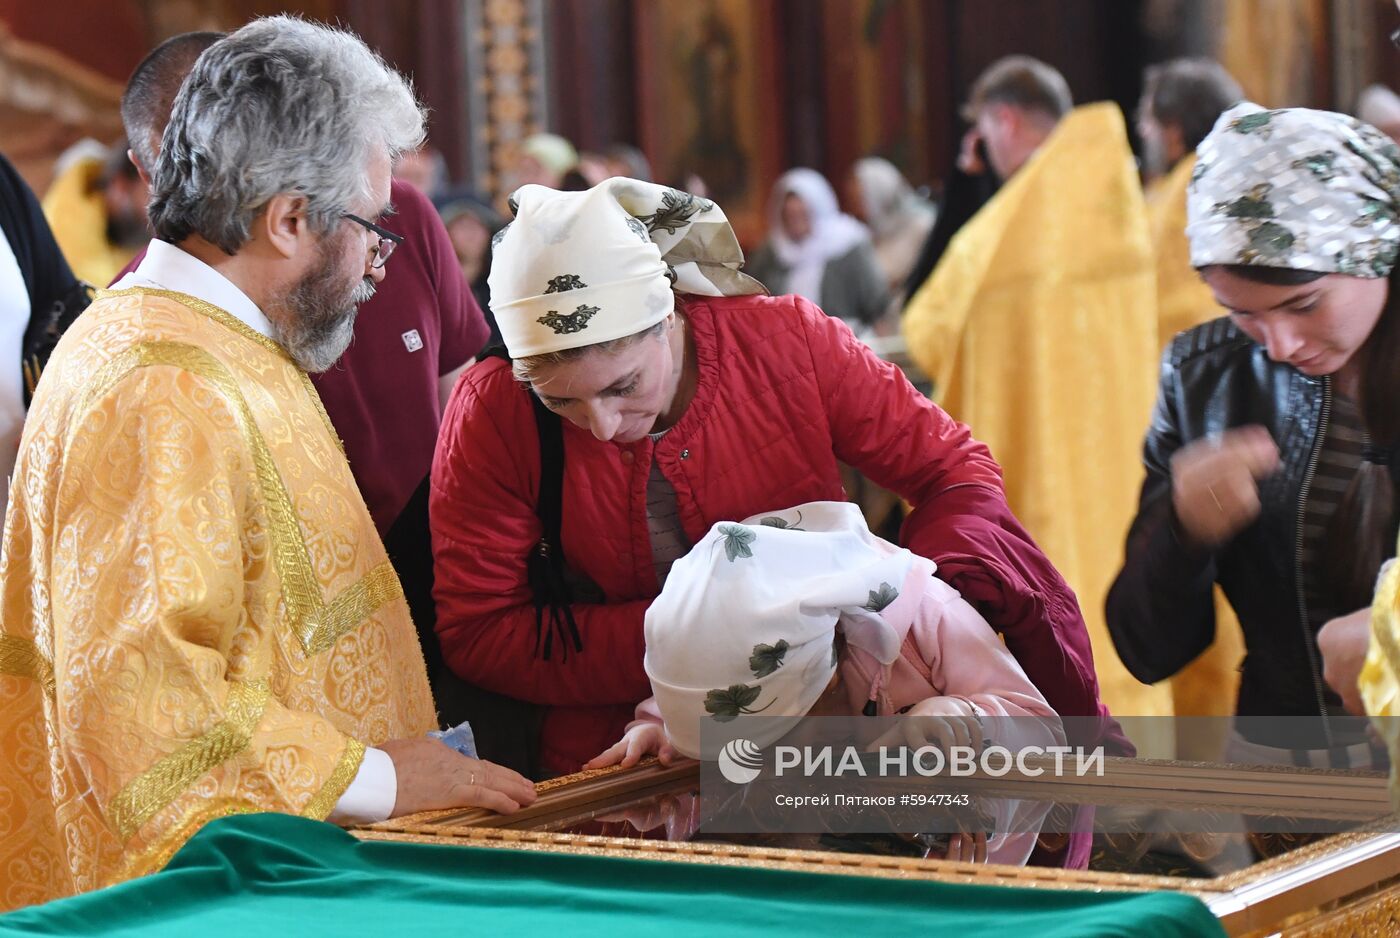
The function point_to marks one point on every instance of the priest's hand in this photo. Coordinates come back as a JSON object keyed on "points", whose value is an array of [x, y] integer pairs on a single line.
{"points": [[1343, 642], [432, 775], [1215, 483]]}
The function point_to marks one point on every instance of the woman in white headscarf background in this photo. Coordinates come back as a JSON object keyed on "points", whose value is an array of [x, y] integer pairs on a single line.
{"points": [[898, 217], [1271, 458], [685, 395], [804, 612], [816, 251]]}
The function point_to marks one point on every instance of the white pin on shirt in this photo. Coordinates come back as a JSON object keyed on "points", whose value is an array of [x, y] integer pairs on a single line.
{"points": [[412, 340]]}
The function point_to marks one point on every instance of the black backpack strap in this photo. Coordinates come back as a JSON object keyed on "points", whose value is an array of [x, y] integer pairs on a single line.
{"points": [[46, 327], [545, 568], [553, 596]]}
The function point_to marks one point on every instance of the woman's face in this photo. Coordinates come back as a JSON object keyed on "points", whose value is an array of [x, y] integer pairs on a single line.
{"points": [[1316, 327], [616, 395], [797, 221]]}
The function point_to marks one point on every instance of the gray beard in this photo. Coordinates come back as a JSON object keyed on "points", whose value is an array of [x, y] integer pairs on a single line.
{"points": [[319, 327]]}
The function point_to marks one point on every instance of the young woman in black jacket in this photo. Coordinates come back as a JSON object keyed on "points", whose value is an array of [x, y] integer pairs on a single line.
{"points": [[1270, 460]]}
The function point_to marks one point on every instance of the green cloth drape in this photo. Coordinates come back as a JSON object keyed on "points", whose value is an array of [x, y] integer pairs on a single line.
{"points": [[240, 876]]}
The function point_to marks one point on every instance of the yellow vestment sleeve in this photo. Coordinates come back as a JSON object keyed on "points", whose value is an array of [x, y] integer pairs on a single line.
{"points": [[1380, 675], [166, 712], [1183, 299]]}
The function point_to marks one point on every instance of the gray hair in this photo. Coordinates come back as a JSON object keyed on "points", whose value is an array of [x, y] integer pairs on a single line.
{"points": [[280, 106]]}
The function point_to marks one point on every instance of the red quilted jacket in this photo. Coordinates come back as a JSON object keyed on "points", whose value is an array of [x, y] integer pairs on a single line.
{"points": [[784, 392]]}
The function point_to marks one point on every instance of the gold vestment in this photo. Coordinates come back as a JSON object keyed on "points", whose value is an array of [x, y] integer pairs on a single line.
{"points": [[197, 617], [1183, 299], [1039, 330], [1380, 675]]}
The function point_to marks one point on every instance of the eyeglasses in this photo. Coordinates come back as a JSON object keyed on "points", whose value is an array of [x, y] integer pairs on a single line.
{"points": [[387, 240]]}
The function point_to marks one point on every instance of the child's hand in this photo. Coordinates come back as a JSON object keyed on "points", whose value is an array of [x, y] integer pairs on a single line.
{"points": [[967, 848], [938, 721], [644, 739]]}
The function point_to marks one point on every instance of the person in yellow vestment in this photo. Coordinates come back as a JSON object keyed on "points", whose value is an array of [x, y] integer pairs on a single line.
{"points": [[97, 209], [1039, 330], [1271, 460], [1181, 101], [1379, 683], [197, 617]]}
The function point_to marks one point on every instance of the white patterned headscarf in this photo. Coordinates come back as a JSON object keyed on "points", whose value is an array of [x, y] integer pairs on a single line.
{"points": [[1295, 188], [746, 622], [579, 268]]}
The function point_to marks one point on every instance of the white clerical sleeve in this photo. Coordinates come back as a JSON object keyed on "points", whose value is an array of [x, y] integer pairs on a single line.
{"points": [[371, 795], [14, 319]]}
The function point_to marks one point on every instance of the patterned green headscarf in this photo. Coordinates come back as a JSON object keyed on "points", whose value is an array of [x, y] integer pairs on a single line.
{"points": [[1295, 188]]}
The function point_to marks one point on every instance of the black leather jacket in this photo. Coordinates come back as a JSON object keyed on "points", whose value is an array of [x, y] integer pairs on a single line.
{"points": [[1161, 609]]}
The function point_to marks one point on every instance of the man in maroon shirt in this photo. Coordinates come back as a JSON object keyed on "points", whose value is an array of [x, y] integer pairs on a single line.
{"points": [[385, 396]]}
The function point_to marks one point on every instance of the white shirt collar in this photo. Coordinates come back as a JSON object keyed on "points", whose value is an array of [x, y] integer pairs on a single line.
{"points": [[166, 267]]}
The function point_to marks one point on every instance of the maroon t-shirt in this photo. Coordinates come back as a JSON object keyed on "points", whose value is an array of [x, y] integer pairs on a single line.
{"points": [[382, 396]]}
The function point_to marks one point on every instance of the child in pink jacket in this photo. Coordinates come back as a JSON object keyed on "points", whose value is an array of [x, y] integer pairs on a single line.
{"points": [[805, 612]]}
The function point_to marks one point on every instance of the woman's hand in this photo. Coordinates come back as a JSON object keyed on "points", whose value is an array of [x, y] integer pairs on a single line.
{"points": [[943, 722], [1215, 483], [644, 739]]}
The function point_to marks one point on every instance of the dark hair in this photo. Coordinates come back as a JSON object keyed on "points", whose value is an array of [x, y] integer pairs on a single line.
{"points": [[1022, 82], [117, 166], [638, 166], [574, 181], [1361, 534], [1373, 514], [151, 89], [1190, 94], [1273, 276]]}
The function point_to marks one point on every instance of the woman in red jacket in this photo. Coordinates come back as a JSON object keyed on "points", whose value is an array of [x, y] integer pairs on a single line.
{"points": [[688, 397]]}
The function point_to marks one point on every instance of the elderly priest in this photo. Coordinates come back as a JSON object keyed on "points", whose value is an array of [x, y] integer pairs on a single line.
{"points": [[198, 617]]}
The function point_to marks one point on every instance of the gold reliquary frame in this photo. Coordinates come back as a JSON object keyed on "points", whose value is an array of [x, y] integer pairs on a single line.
{"points": [[1343, 884]]}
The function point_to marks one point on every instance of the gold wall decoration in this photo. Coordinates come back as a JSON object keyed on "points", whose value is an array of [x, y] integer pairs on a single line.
{"points": [[506, 86], [1278, 50]]}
